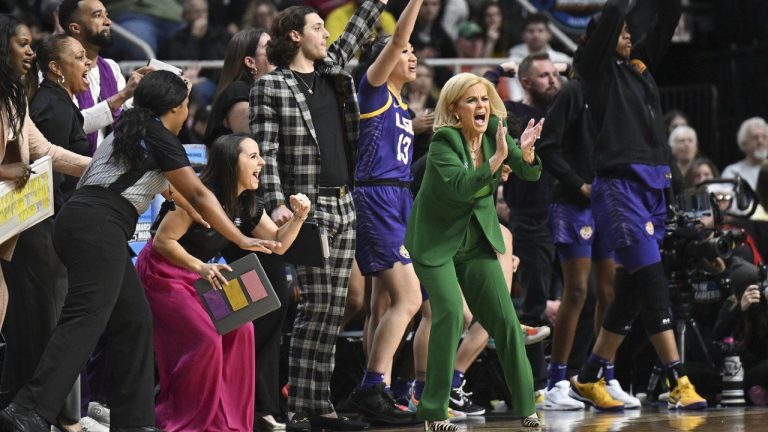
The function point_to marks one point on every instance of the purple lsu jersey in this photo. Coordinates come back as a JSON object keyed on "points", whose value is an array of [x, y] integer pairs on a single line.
{"points": [[386, 135]]}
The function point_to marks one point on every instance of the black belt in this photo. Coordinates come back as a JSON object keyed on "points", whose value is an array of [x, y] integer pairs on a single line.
{"points": [[384, 182], [334, 192]]}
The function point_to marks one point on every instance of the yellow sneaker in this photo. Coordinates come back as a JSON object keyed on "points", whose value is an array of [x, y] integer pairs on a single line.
{"points": [[684, 396], [596, 395]]}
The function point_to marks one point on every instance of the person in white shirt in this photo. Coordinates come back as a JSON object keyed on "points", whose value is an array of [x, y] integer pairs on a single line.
{"points": [[752, 138], [536, 37], [89, 23]]}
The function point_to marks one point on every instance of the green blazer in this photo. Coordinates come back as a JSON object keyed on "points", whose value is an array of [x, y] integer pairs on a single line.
{"points": [[453, 190]]}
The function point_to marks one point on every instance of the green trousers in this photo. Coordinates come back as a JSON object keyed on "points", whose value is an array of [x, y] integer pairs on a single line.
{"points": [[476, 271]]}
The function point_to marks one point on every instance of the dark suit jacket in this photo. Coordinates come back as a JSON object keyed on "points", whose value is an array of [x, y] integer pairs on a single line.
{"points": [[281, 122]]}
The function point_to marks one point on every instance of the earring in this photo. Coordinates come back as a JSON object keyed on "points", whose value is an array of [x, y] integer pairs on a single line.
{"points": [[61, 80], [456, 117]]}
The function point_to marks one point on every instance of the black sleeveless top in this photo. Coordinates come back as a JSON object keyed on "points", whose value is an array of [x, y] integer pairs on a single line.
{"points": [[206, 243]]}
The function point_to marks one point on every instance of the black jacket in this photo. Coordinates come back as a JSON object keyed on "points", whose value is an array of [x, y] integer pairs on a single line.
{"points": [[566, 144], [622, 94], [60, 121]]}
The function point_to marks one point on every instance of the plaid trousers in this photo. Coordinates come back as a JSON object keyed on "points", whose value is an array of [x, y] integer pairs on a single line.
{"points": [[323, 294]]}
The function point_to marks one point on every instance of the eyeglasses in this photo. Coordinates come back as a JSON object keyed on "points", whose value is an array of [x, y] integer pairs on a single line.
{"points": [[723, 197]]}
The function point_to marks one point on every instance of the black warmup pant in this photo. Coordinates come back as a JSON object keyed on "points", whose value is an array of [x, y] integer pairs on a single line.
{"points": [[533, 245], [105, 296], [267, 332], [37, 285]]}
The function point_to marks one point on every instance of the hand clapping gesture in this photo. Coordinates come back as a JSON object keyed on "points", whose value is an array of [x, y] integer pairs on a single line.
{"points": [[528, 140]]}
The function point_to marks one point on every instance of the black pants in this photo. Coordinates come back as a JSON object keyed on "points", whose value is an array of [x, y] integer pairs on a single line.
{"points": [[37, 284], [105, 296], [533, 245], [267, 334]]}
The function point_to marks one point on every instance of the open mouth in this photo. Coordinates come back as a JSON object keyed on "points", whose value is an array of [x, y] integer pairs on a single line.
{"points": [[85, 78], [480, 119], [28, 63], [256, 175]]}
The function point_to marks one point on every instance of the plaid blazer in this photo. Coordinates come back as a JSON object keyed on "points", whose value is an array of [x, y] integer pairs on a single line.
{"points": [[281, 123]]}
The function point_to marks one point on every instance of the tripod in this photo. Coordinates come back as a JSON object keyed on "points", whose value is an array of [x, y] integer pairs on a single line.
{"points": [[681, 295]]}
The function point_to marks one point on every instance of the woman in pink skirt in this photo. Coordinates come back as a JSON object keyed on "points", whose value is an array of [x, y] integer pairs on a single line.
{"points": [[206, 379]]}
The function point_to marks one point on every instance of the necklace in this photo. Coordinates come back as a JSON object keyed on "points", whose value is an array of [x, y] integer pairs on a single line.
{"points": [[474, 152], [309, 88]]}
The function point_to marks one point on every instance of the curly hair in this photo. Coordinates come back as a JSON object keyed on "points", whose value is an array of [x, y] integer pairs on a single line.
{"points": [[281, 50]]}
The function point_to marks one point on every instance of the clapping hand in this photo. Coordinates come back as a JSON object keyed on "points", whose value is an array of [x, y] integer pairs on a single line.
{"points": [[528, 140]]}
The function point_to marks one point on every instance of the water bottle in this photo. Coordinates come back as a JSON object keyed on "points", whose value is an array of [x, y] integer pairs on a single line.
{"points": [[733, 378]]}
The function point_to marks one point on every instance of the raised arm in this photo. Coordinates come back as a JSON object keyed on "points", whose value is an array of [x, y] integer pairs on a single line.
{"points": [[654, 45], [597, 52], [287, 233], [358, 28], [381, 68], [265, 129]]}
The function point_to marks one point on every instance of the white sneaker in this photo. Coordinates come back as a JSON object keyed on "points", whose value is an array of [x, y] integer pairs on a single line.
{"points": [[616, 392], [98, 412], [90, 425], [557, 399]]}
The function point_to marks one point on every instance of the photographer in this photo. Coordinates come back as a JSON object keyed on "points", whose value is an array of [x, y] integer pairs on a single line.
{"points": [[745, 317]]}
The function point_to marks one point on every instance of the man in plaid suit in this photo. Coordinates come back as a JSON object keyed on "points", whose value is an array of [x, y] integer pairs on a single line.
{"points": [[305, 117]]}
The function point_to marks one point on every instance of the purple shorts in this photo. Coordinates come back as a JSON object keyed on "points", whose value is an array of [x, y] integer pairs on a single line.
{"points": [[630, 216], [382, 216], [573, 232]]}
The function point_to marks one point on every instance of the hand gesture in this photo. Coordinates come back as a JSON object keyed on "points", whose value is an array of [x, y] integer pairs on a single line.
{"points": [[281, 215], [133, 80], [506, 170], [510, 68], [300, 205], [586, 190], [423, 122], [17, 172], [258, 245], [528, 139], [751, 296], [502, 150], [212, 273]]}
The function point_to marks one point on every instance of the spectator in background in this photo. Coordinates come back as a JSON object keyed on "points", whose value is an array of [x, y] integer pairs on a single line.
{"points": [[339, 17], [454, 13], [470, 44], [245, 61], [498, 37], [753, 141], [700, 170], [152, 21], [198, 41], [259, 14], [685, 146], [673, 119], [100, 104], [430, 40], [422, 101], [536, 37], [227, 13]]}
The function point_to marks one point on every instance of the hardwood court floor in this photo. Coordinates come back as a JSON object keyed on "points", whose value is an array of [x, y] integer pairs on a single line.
{"points": [[650, 419]]}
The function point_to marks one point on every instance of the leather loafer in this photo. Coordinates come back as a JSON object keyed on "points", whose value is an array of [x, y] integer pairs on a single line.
{"points": [[16, 418]]}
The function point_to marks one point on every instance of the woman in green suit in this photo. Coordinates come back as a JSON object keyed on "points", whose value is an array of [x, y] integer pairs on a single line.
{"points": [[453, 235]]}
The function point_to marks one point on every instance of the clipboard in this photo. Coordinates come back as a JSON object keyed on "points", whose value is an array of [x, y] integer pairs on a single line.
{"points": [[310, 247], [248, 295]]}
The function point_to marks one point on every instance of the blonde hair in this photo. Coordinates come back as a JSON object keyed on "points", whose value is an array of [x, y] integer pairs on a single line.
{"points": [[452, 92]]}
